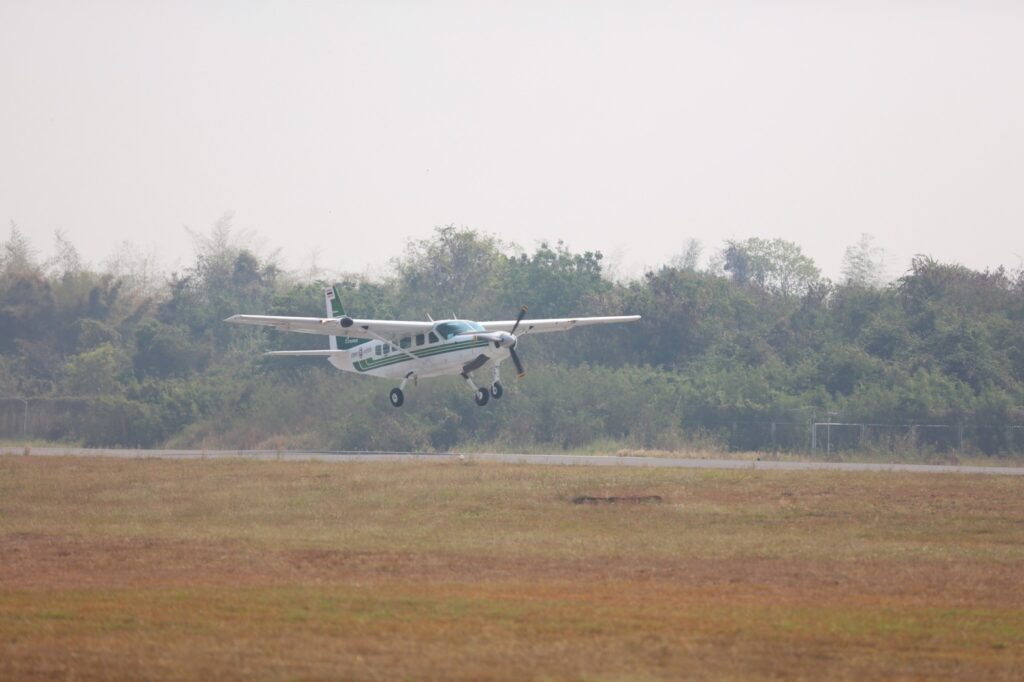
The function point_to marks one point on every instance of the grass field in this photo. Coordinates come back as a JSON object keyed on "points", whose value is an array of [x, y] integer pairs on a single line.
{"points": [[145, 569]]}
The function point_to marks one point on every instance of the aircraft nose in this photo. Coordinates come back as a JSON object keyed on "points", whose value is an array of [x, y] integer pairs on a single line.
{"points": [[503, 340]]}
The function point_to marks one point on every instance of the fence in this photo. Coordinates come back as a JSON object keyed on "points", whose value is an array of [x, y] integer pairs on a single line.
{"points": [[826, 437], [14, 415], [43, 418], [829, 437], [118, 422]]}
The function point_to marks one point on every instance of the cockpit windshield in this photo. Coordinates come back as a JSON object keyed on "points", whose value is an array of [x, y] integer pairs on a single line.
{"points": [[447, 330]]}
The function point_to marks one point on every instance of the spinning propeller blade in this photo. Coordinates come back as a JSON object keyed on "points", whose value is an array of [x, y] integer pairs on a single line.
{"points": [[522, 313], [520, 370]]}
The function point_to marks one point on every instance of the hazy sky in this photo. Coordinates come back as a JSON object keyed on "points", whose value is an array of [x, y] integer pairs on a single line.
{"points": [[345, 128]]}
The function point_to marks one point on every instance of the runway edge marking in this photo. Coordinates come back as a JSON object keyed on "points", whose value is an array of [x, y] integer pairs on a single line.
{"points": [[551, 460]]}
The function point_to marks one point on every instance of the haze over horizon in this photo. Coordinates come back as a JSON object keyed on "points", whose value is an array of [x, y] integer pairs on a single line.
{"points": [[346, 129]]}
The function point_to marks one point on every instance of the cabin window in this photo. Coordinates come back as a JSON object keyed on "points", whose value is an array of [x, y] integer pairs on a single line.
{"points": [[420, 340], [455, 327], [433, 337], [387, 348], [406, 342], [377, 350]]}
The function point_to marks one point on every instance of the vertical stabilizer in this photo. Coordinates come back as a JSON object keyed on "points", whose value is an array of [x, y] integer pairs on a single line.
{"points": [[334, 308], [330, 299], [332, 302]]}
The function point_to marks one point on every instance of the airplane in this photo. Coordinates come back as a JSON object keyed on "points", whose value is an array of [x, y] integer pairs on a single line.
{"points": [[403, 350]]}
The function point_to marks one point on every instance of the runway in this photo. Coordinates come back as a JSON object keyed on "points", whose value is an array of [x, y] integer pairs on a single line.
{"points": [[551, 460]]}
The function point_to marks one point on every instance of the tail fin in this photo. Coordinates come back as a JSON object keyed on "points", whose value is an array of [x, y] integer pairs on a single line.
{"points": [[332, 303], [333, 300]]}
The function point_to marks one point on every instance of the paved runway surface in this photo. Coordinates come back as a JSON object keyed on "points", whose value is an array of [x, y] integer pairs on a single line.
{"points": [[558, 460]]}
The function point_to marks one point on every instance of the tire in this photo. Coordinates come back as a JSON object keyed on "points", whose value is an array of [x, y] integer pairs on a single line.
{"points": [[482, 396], [397, 398], [497, 390]]}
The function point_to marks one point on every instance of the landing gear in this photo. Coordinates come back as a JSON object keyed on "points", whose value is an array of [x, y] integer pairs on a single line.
{"points": [[481, 395], [397, 396], [497, 390]]}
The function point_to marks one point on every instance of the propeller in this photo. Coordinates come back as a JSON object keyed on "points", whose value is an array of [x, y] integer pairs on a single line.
{"points": [[520, 370], [507, 340], [522, 313]]}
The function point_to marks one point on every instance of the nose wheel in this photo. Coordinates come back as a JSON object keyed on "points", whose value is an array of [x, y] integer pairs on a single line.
{"points": [[497, 390]]}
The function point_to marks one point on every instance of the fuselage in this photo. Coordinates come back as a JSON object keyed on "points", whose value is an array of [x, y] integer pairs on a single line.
{"points": [[449, 348]]}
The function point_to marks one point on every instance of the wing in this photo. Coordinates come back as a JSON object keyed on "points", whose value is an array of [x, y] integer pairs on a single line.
{"points": [[560, 324], [332, 326]]}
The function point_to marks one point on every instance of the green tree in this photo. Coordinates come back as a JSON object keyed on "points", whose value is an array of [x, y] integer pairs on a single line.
{"points": [[164, 351], [104, 370], [864, 263], [227, 277], [689, 258], [775, 265], [457, 271], [17, 259], [554, 282]]}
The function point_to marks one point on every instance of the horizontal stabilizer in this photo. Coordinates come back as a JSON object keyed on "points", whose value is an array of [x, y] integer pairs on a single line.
{"points": [[326, 353]]}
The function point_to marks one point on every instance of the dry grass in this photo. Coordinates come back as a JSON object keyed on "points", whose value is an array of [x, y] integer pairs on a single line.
{"points": [[227, 569]]}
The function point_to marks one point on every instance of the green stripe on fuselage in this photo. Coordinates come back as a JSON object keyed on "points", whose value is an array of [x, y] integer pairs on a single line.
{"points": [[397, 357]]}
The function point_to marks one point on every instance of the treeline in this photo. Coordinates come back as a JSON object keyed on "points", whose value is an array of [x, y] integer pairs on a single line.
{"points": [[756, 337]]}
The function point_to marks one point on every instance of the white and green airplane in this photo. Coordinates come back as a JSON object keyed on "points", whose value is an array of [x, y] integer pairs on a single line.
{"points": [[415, 350]]}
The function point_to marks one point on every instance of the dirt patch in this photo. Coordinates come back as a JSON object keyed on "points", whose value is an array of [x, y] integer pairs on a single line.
{"points": [[618, 499]]}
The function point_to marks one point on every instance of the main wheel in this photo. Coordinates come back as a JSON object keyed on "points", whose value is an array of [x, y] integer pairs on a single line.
{"points": [[482, 396], [497, 390], [397, 398]]}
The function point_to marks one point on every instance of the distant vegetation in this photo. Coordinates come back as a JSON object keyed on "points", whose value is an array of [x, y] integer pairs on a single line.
{"points": [[744, 352]]}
